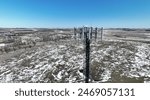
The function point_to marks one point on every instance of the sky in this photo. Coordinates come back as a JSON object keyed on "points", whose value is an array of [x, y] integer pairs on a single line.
{"points": [[75, 13]]}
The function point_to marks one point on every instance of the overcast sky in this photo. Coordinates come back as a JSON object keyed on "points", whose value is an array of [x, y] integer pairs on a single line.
{"points": [[74, 13]]}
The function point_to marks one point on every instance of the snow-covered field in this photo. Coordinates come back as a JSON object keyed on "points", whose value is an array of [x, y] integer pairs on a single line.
{"points": [[2, 44], [123, 56], [54, 62]]}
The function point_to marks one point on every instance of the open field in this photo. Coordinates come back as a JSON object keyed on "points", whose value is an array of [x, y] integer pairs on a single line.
{"points": [[54, 56]]}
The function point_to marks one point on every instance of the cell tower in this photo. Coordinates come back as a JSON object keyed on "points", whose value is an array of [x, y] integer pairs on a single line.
{"points": [[86, 33]]}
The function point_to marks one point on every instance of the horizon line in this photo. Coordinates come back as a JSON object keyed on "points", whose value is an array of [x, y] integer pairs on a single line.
{"points": [[76, 27]]}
